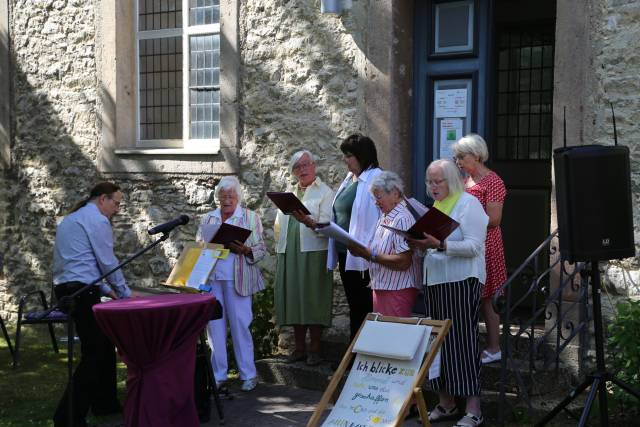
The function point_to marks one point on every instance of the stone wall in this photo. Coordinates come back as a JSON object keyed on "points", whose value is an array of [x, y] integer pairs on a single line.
{"points": [[617, 66], [301, 87]]}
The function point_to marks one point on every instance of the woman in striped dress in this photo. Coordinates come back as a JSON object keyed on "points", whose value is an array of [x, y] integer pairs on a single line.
{"points": [[455, 271], [233, 282], [394, 269]]}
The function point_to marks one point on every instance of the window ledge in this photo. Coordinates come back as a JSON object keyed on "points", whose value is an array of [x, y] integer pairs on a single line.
{"points": [[165, 151]]}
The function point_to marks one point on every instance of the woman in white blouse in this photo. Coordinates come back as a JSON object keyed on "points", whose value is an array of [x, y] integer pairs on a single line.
{"points": [[454, 274]]}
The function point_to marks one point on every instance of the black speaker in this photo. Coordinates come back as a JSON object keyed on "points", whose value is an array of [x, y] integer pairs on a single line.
{"points": [[593, 200]]}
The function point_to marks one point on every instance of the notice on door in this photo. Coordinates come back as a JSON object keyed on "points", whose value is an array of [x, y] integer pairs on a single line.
{"points": [[450, 132], [451, 103]]}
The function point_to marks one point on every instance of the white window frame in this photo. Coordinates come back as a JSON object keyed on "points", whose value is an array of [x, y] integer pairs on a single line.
{"points": [[469, 46], [185, 33]]}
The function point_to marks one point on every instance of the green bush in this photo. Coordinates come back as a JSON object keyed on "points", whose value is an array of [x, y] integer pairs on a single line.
{"points": [[265, 337], [624, 353]]}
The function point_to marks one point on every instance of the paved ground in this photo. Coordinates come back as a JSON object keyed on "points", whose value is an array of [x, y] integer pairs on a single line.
{"points": [[267, 405], [273, 405]]}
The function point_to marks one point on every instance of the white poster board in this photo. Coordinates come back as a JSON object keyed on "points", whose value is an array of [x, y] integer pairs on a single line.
{"points": [[376, 389]]}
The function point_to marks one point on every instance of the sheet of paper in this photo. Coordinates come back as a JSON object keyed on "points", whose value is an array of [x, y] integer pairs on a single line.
{"points": [[451, 103], [334, 231], [207, 231], [434, 369], [450, 132], [202, 268], [417, 206]]}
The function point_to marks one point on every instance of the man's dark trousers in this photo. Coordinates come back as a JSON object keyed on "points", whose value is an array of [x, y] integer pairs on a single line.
{"points": [[94, 380]]}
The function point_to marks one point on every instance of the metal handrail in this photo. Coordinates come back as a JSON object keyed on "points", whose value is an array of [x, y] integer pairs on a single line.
{"points": [[543, 349]]}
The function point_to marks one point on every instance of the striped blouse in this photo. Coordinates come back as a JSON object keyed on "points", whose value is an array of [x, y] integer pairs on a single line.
{"points": [[387, 242], [247, 277]]}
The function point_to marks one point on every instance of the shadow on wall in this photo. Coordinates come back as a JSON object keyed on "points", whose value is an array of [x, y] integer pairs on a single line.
{"points": [[53, 165]]}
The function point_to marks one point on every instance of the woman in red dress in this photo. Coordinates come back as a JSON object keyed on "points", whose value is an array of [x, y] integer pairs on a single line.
{"points": [[470, 154]]}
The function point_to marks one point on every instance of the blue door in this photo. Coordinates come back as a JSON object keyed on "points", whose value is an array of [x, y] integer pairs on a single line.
{"points": [[486, 66]]}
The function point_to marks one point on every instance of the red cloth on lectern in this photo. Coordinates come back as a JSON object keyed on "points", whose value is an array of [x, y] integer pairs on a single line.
{"points": [[156, 337]]}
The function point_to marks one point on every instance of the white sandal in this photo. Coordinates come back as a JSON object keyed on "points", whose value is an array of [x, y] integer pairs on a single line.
{"points": [[440, 413], [470, 420], [490, 357]]}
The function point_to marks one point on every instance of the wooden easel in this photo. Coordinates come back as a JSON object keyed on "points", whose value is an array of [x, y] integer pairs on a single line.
{"points": [[439, 330]]}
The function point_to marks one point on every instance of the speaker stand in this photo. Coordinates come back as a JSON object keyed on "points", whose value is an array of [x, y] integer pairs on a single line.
{"points": [[598, 379]]}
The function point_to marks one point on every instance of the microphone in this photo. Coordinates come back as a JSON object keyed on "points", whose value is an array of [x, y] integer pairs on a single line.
{"points": [[168, 226]]}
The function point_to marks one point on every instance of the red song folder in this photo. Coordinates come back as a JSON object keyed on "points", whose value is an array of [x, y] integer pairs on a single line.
{"points": [[434, 222], [228, 233], [287, 202]]}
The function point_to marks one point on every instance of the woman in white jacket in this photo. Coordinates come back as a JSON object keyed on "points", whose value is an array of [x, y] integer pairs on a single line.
{"points": [[454, 274], [303, 286], [355, 210]]}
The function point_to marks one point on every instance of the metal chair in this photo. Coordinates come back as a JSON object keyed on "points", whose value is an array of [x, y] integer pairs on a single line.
{"points": [[35, 318], [8, 340]]}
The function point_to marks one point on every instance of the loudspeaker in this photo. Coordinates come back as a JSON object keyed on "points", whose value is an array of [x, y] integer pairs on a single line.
{"points": [[593, 200]]}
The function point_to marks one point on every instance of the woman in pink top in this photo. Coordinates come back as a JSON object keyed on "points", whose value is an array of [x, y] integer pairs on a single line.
{"points": [[471, 153]]}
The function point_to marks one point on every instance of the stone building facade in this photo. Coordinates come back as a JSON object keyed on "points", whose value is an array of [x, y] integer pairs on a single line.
{"points": [[291, 78]]}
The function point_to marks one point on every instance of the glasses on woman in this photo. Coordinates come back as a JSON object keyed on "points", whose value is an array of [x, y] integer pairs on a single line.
{"points": [[459, 156], [435, 182], [300, 166]]}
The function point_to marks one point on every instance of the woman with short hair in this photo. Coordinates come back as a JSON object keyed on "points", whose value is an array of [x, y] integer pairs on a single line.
{"points": [[471, 153], [303, 285], [394, 269], [454, 271], [233, 282]]}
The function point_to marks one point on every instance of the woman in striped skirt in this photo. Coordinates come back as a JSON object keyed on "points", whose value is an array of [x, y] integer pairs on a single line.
{"points": [[454, 274], [394, 269]]}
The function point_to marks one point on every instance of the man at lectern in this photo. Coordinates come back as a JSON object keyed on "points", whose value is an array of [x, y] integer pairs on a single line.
{"points": [[83, 252]]}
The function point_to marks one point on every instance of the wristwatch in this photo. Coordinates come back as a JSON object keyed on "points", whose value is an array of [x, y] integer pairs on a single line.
{"points": [[441, 246]]}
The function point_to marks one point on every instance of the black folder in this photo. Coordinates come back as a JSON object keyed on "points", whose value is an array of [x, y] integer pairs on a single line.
{"points": [[228, 233], [434, 222], [287, 202]]}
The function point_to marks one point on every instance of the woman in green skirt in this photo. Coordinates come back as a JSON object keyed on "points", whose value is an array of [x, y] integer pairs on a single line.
{"points": [[304, 286]]}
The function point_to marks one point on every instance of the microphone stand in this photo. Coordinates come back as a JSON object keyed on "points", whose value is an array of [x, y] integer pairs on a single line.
{"points": [[66, 303]]}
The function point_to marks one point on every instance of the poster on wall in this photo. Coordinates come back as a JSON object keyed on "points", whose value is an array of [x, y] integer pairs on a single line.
{"points": [[450, 132], [451, 103]]}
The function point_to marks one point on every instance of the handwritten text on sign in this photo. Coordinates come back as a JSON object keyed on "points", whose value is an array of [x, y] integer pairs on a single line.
{"points": [[375, 391]]}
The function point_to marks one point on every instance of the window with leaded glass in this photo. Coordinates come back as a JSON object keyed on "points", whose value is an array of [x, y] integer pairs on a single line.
{"points": [[524, 94], [178, 73]]}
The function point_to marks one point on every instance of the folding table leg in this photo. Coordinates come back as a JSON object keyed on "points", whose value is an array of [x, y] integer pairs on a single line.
{"points": [[211, 379]]}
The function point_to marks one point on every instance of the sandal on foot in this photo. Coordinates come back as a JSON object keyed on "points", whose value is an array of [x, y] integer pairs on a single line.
{"points": [[439, 413], [470, 420], [490, 357]]}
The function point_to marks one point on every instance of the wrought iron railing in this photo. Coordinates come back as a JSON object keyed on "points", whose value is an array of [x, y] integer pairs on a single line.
{"points": [[549, 312]]}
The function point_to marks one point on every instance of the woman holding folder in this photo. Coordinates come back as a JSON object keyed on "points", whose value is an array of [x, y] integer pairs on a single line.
{"points": [[454, 274], [355, 210], [304, 287], [233, 282], [394, 268]]}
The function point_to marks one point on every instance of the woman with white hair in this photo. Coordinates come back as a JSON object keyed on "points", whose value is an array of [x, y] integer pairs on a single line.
{"points": [[394, 270], [454, 273], [233, 282], [471, 153], [303, 286]]}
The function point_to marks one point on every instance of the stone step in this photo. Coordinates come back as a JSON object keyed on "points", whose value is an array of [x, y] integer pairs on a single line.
{"points": [[277, 371]]}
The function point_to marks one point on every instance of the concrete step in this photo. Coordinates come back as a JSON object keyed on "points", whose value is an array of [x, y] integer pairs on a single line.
{"points": [[542, 381]]}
